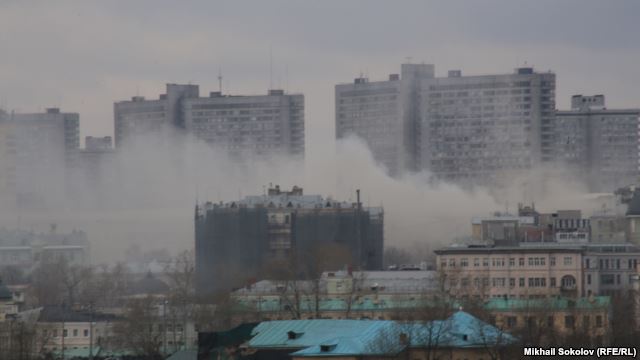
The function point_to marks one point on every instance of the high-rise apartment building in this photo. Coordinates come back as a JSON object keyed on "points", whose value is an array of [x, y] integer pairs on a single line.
{"points": [[142, 117], [465, 129], [34, 154], [383, 114], [482, 129], [262, 124], [598, 144]]}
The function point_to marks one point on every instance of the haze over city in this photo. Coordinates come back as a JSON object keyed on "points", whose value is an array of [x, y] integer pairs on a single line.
{"points": [[175, 172]]}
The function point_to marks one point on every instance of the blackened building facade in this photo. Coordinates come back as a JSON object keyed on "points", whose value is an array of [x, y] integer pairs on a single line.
{"points": [[236, 241]]}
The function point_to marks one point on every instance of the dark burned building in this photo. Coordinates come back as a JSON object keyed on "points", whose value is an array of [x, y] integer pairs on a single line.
{"points": [[238, 241]]}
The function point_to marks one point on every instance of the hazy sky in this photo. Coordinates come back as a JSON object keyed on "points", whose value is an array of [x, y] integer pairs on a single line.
{"points": [[83, 55]]}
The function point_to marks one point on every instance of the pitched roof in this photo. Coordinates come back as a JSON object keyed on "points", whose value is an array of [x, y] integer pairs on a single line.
{"points": [[54, 314], [298, 334], [323, 337], [149, 285]]}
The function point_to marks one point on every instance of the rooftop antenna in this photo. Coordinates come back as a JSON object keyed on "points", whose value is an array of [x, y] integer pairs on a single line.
{"points": [[286, 78], [220, 79], [270, 67]]}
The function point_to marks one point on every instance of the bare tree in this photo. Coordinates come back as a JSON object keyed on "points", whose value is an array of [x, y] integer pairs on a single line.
{"points": [[181, 274], [141, 328]]}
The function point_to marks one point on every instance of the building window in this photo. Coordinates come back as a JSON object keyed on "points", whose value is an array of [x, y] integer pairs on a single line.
{"points": [[464, 262], [552, 261], [521, 261], [552, 282], [607, 279], [485, 262], [86, 332], [568, 260], [512, 282], [588, 279], [599, 321], [476, 262], [521, 282], [75, 332], [569, 321], [512, 262], [65, 333], [587, 263]]}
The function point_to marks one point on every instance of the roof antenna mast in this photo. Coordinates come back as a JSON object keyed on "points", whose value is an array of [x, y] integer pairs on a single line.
{"points": [[270, 67]]}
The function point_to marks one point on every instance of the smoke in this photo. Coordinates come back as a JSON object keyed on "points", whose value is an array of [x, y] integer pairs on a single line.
{"points": [[145, 194]]}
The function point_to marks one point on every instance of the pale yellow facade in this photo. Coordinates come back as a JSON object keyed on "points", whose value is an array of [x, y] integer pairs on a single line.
{"points": [[510, 272]]}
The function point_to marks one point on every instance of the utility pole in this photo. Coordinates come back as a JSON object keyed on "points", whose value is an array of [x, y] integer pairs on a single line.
{"points": [[358, 234], [91, 331], [164, 327]]}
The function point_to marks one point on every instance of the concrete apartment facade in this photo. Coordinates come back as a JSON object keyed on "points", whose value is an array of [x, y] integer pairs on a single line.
{"points": [[597, 143], [140, 117], [466, 129], [383, 114], [480, 129], [34, 154], [263, 124]]}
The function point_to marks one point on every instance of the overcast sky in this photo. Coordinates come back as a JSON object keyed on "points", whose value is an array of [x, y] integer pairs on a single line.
{"points": [[83, 55]]}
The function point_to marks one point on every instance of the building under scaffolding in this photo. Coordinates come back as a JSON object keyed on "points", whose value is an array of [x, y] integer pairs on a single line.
{"points": [[238, 241]]}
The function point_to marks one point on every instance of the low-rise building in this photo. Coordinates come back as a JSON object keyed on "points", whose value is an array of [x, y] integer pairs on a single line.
{"points": [[545, 322], [526, 271], [25, 250], [539, 270]]}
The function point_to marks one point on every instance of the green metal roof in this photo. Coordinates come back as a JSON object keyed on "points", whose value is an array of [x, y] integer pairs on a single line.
{"points": [[368, 304], [305, 333], [323, 337], [556, 303]]}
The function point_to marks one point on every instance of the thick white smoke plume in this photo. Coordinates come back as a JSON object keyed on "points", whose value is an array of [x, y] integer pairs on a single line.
{"points": [[146, 194]]}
